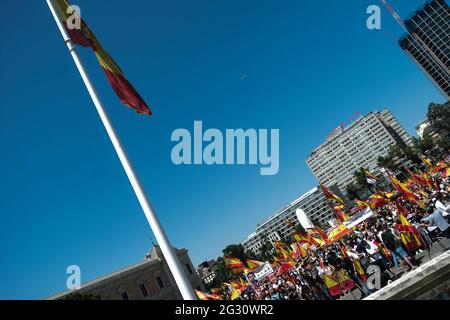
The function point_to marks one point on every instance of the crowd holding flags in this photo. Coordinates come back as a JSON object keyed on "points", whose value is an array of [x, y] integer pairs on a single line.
{"points": [[330, 195], [291, 261]]}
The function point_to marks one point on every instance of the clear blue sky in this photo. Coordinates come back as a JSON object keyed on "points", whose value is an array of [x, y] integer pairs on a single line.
{"points": [[65, 199]]}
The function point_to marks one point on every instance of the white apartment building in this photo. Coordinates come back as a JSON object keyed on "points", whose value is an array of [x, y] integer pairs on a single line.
{"points": [[357, 146]]}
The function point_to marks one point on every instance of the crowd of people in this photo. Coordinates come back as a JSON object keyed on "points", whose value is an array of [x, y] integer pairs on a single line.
{"points": [[386, 243]]}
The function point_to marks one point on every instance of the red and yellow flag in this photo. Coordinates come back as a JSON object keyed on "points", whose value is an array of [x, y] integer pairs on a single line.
{"points": [[253, 264], [427, 161], [370, 177], [378, 200], [319, 235], [305, 238], [338, 282], [358, 267], [340, 211], [207, 296], [330, 195], [409, 234], [84, 37], [299, 250], [403, 189], [234, 264], [361, 203]]}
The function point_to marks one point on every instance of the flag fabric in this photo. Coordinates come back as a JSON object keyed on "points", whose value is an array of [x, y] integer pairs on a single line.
{"points": [[319, 233], [407, 194], [201, 295], [426, 161], [235, 293], [364, 204], [290, 223], [234, 264], [207, 296], [377, 200], [427, 179], [371, 179], [417, 178], [84, 37], [358, 267], [408, 233], [285, 267], [338, 282], [253, 264], [330, 195], [338, 232], [241, 286], [299, 250], [283, 250]]}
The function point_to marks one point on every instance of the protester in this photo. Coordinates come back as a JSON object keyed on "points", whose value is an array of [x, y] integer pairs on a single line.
{"points": [[389, 239]]}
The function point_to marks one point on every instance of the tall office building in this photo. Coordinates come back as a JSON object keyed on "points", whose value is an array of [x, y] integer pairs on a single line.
{"points": [[313, 203], [428, 42], [357, 146]]}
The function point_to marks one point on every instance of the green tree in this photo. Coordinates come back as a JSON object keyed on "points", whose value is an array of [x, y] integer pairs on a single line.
{"points": [[361, 179], [352, 191], [223, 274], [424, 144], [389, 161], [235, 251], [439, 117], [266, 250]]}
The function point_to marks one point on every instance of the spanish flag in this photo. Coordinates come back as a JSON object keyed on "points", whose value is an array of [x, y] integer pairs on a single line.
{"points": [[361, 203], [234, 264], [299, 250], [378, 200], [84, 37], [358, 267], [409, 234], [403, 189], [207, 296], [330, 195], [426, 161], [253, 264], [235, 293], [338, 282], [305, 238], [342, 216]]}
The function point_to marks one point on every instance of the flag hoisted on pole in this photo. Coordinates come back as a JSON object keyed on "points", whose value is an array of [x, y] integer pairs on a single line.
{"points": [[175, 267]]}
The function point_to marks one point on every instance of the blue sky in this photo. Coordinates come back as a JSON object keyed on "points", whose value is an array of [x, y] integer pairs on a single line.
{"points": [[65, 200]]}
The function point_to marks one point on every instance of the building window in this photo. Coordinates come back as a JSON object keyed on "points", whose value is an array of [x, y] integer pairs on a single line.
{"points": [[188, 267], [160, 282], [144, 290], [124, 295]]}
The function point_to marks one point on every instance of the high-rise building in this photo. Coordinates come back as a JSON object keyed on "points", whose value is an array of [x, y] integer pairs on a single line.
{"points": [[357, 146], [313, 203], [149, 279], [428, 42]]}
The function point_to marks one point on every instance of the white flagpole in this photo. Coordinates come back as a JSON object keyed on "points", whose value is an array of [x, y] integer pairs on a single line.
{"points": [[169, 254]]}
